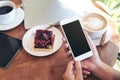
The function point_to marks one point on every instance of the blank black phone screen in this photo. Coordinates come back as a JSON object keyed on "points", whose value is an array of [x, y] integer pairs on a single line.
{"points": [[76, 38], [9, 47]]}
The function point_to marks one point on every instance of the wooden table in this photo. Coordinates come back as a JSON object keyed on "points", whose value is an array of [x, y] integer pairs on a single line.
{"points": [[27, 67]]}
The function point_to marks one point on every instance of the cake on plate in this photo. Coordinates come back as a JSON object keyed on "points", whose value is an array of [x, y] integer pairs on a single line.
{"points": [[44, 40]]}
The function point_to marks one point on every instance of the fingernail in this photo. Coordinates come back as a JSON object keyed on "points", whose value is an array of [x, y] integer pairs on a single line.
{"points": [[89, 73], [68, 53]]}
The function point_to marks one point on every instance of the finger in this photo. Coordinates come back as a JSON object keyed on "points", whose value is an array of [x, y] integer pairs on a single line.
{"points": [[69, 71], [66, 46], [64, 40], [67, 49], [85, 72], [84, 66], [70, 67], [84, 76], [78, 70], [69, 53]]}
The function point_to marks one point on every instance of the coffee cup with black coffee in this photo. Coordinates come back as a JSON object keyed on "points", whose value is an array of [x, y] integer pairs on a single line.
{"points": [[7, 12], [95, 24]]}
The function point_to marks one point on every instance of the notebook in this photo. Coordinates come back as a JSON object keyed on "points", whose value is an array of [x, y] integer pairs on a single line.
{"points": [[39, 12]]}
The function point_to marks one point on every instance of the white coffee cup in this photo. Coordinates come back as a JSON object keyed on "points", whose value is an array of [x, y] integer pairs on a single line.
{"points": [[8, 14], [95, 24]]}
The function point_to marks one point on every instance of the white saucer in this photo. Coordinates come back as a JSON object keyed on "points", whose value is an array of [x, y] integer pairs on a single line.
{"points": [[18, 19], [40, 53], [107, 38]]}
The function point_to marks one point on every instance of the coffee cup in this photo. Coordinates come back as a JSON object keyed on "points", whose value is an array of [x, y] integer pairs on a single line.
{"points": [[7, 12], [95, 24]]}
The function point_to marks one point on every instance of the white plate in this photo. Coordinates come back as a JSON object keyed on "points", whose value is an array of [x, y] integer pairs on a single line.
{"points": [[57, 43], [18, 19], [107, 38]]}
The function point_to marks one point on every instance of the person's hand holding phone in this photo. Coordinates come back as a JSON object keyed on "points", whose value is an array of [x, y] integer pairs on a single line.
{"points": [[68, 52], [88, 64], [73, 71], [74, 34]]}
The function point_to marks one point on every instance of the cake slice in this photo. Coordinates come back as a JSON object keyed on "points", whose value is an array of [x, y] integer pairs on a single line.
{"points": [[44, 39]]}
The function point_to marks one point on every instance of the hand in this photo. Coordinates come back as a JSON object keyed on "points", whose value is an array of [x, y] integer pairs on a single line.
{"points": [[88, 64], [92, 61], [73, 71], [97, 66], [84, 67]]}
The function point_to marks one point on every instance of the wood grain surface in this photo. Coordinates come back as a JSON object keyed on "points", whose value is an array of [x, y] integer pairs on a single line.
{"points": [[27, 67]]}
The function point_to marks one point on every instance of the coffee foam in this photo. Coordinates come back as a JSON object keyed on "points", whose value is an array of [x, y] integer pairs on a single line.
{"points": [[94, 22]]}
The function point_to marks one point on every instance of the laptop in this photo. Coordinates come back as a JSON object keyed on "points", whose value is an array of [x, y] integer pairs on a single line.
{"points": [[40, 12]]}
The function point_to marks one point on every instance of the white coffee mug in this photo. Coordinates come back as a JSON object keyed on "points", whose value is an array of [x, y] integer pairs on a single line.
{"points": [[8, 8], [95, 24]]}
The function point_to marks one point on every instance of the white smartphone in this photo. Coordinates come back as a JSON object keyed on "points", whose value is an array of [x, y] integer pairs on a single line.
{"points": [[76, 38]]}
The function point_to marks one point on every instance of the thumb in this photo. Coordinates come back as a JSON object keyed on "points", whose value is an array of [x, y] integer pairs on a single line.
{"points": [[70, 67], [78, 69]]}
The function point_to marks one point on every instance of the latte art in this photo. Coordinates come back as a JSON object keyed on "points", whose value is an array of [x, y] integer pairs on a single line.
{"points": [[94, 22]]}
